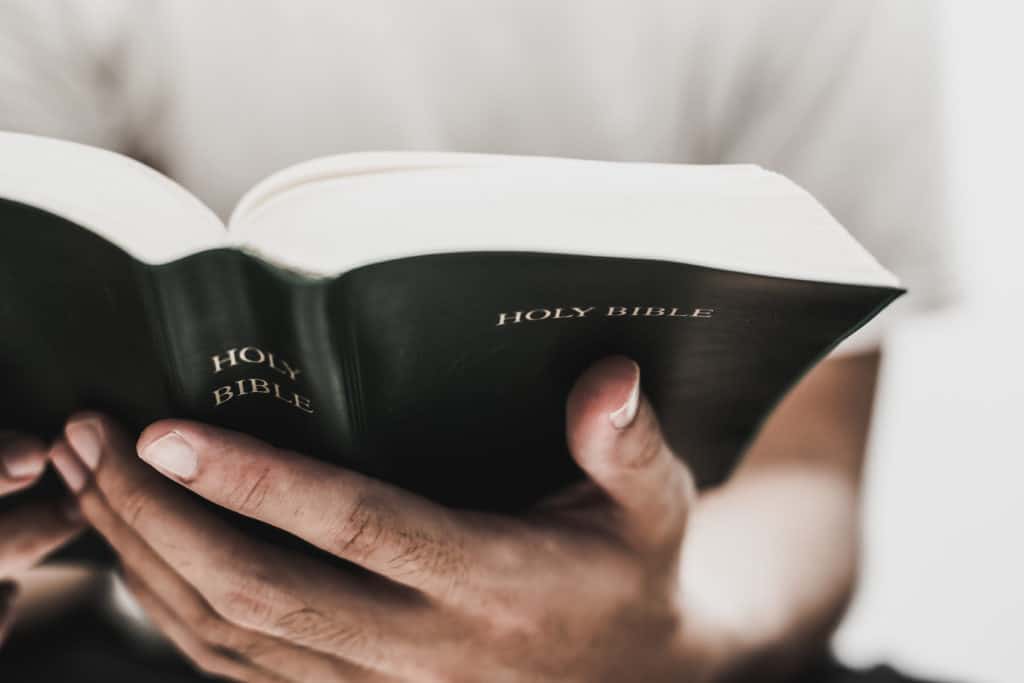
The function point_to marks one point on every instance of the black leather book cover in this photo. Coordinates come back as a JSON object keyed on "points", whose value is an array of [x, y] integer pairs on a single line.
{"points": [[446, 374]]}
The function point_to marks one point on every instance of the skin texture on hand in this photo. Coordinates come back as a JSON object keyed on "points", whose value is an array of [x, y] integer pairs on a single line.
{"points": [[30, 531], [599, 583]]}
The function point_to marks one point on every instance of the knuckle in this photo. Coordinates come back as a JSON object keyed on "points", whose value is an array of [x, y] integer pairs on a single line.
{"points": [[131, 505], [501, 557], [349, 638], [651, 445], [514, 625], [371, 529], [304, 623], [359, 533], [420, 553], [248, 494], [311, 626], [244, 609], [511, 550], [251, 602]]}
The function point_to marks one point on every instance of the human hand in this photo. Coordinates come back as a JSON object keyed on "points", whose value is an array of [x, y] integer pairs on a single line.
{"points": [[30, 531], [587, 587]]}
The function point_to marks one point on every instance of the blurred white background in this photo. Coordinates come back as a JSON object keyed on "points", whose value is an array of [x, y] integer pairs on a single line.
{"points": [[943, 576]]}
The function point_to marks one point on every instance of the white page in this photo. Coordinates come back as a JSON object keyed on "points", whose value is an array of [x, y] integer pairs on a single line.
{"points": [[735, 217], [129, 204], [330, 215]]}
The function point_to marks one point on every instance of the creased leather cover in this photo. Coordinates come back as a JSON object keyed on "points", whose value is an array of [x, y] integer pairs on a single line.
{"points": [[446, 374]]}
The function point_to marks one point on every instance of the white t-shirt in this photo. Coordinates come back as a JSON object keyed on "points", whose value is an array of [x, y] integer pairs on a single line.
{"points": [[839, 95]]}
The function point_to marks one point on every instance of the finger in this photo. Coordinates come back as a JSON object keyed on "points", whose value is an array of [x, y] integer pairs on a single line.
{"points": [[209, 659], [388, 531], [8, 591], [215, 639], [134, 553], [248, 583], [32, 531], [265, 657], [613, 434], [22, 462]]}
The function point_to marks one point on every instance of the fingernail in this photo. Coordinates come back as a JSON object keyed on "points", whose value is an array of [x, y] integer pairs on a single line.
{"points": [[84, 438], [623, 417], [23, 463], [172, 454], [70, 468]]}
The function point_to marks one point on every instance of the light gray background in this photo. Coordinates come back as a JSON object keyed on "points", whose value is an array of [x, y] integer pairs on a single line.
{"points": [[943, 590]]}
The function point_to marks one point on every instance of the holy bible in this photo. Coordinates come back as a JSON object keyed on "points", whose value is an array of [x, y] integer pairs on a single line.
{"points": [[419, 317]]}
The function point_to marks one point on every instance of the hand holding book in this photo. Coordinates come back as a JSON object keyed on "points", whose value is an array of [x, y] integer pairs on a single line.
{"points": [[586, 587]]}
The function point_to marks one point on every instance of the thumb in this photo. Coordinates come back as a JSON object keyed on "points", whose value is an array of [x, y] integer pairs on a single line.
{"points": [[614, 436]]}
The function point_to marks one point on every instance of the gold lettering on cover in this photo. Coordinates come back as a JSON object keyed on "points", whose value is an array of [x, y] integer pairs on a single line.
{"points": [[255, 356], [222, 395], [250, 354], [303, 404], [572, 312], [260, 386], [559, 313], [504, 317], [251, 386], [285, 368], [218, 361]]}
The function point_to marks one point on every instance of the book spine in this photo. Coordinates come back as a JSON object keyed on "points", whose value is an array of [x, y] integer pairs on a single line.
{"points": [[346, 347], [323, 344], [251, 347], [172, 392]]}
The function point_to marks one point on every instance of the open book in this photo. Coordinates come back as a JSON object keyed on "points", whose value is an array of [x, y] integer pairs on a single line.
{"points": [[419, 316]]}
